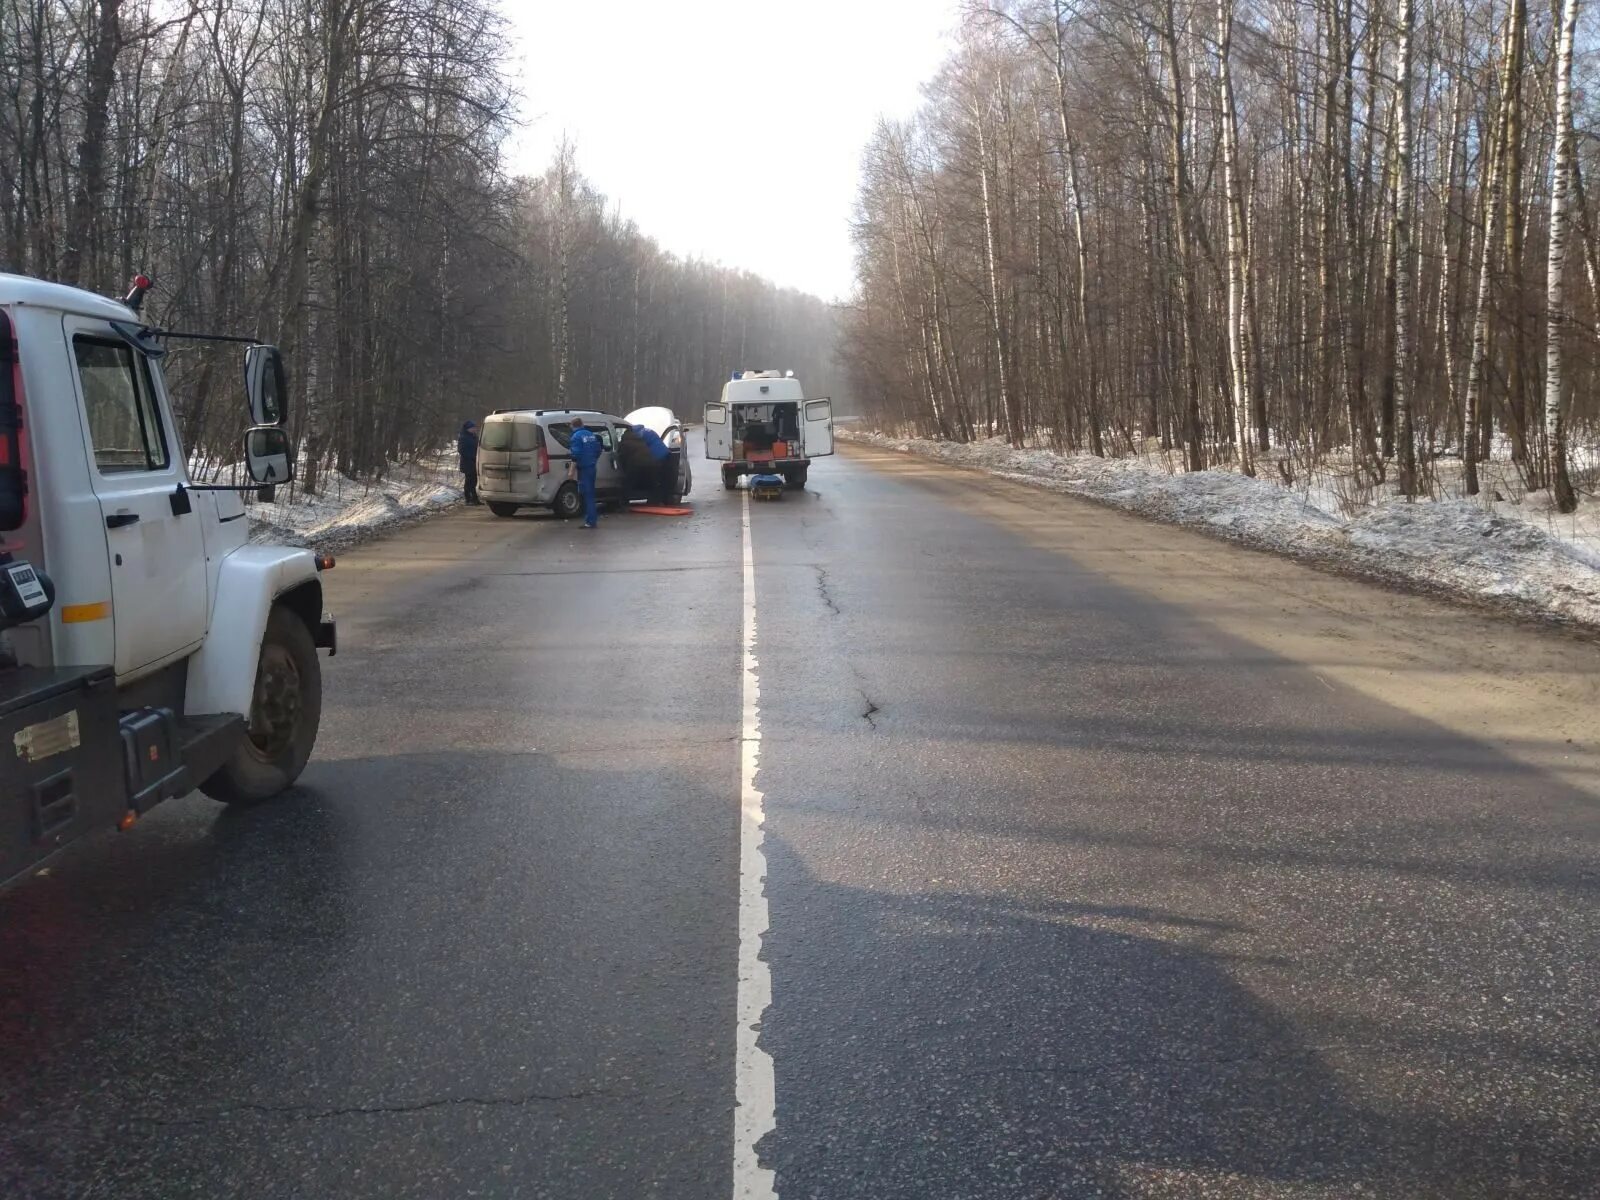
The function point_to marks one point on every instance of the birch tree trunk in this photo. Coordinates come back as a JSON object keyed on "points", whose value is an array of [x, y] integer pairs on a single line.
{"points": [[1447, 275], [1517, 408], [1237, 279], [1403, 261], [997, 316], [565, 169], [1183, 228], [340, 17], [1480, 315], [80, 260], [296, 327], [1556, 317], [1069, 153]]}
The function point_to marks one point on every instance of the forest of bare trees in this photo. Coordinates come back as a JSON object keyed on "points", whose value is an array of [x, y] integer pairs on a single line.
{"points": [[1249, 231], [330, 175]]}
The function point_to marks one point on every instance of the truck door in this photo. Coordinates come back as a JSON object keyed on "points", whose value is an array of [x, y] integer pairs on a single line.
{"points": [[159, 602], [818, 428], [719, 432]]}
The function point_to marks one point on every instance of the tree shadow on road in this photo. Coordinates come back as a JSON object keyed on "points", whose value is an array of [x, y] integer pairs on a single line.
{"points": [[435, 974], [962, 1045]]}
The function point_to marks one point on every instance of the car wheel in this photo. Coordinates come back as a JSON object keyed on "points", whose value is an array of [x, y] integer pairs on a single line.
{"points": [[730, 479], [285, 711], [501, 509], [568, 503], [795, 478]]}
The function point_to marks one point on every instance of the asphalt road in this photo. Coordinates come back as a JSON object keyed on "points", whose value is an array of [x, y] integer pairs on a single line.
{"points": [[1082, 882]]}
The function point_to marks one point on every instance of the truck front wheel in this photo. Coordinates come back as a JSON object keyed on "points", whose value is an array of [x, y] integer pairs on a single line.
{"points": [[284, 714]]}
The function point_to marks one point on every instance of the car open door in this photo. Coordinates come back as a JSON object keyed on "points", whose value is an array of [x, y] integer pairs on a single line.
{"points": [[817, 428], [719, 432]]}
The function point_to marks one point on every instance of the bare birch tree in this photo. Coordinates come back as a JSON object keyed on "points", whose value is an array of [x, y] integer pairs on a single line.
{"points": [[1238, 280], [1403, 263], [1557, 317]]}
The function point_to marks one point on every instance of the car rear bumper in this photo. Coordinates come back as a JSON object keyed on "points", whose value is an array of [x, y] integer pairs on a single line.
{"points": [[523, 490]]}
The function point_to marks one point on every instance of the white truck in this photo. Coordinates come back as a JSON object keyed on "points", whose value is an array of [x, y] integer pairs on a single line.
{"points": [[146, 648], [764, 424]]}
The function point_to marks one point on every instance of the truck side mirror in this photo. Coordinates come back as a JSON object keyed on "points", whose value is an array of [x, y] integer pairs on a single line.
{"points": [[265, 385], [266, 454]]}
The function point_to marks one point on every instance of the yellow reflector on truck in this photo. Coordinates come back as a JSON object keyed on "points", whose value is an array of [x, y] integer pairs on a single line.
{"points": [[76, 614]]}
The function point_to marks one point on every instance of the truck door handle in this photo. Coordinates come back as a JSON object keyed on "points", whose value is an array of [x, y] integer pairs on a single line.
{"points": [[118, 520]]}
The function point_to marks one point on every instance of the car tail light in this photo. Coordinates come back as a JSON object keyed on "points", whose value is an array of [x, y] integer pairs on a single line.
{"points": [[13, 475], [544, 461]]}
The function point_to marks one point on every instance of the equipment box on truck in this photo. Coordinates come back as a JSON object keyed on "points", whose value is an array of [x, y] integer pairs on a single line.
{"points": [[765, 425], [146, 648]]}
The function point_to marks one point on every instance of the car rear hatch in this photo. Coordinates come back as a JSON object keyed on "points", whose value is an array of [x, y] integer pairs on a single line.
{"points": [[510, 457], [494, 459]]}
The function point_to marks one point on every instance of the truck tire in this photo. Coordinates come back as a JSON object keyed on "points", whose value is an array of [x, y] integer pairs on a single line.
{"points": [[501, 509], [795, 477], [730, 479], [284, 714], [567, 504]]}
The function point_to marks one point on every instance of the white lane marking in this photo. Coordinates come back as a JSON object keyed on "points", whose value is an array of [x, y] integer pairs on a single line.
{"points": [[753, 1091]]}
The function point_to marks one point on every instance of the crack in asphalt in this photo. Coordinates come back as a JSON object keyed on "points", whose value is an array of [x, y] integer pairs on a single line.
{"points": [[822, 589], [303, 1112], [870, 713]]}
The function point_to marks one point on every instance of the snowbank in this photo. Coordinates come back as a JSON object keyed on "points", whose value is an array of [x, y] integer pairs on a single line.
{"points": [[346, 512], [1480, 549]]}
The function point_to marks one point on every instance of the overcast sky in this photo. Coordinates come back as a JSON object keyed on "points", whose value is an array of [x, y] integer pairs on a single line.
{"points": [[667, 101]]}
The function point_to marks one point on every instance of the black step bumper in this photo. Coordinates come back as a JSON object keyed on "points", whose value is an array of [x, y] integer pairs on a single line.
{"points": [[326, 635]]}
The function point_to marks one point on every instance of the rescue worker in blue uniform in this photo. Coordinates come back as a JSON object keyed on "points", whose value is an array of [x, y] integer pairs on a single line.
{"points": [[586, 449], [664, 479]]}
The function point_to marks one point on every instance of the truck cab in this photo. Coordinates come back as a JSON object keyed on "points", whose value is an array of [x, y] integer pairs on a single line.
{"points": [[159, 651], [764, 424]]}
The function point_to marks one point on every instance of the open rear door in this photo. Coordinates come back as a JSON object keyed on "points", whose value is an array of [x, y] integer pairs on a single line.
{"points": [[818, 428], [719, 432]]}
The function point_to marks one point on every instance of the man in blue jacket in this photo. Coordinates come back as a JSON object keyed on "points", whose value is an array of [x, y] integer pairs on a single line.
{"points": [[467, 448], [586, 450], [662, 477]]}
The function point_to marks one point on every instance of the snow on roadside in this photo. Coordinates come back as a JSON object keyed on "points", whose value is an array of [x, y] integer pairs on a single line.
{"points": [[1466, 548], [347, 511]]}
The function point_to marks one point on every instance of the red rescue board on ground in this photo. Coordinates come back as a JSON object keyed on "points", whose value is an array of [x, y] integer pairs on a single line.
{"points": [[660, 510]]}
